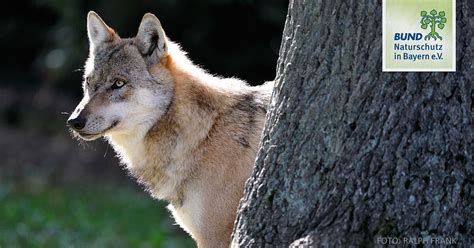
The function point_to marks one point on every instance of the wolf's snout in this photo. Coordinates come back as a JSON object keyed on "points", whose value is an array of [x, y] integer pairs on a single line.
{"points": [[77, 123]]}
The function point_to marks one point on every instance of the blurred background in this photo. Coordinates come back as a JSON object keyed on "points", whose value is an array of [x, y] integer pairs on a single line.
{"points": [[58, 192]]}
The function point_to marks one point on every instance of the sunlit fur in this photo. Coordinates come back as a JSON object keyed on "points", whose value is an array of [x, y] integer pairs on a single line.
{"points": [[189, 137]]}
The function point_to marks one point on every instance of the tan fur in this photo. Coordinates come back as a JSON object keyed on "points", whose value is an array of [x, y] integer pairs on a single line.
{"points": [[199, 153]]}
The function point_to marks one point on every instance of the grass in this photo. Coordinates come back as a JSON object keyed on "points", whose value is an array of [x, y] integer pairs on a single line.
{"points": [[85, 216]]}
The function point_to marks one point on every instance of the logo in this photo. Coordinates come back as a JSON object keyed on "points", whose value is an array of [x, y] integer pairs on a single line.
{"points": [[418, 35], [433, 20]]}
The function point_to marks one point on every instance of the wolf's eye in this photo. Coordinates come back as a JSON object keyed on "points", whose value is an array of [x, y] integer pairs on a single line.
{"points": [[118, 84]]}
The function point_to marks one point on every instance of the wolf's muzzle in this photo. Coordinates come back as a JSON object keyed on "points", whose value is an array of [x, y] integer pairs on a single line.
{"points": [[77, 123]]}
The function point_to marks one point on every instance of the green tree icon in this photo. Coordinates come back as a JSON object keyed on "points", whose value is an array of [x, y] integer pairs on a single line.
{"points": [[433, 19]]}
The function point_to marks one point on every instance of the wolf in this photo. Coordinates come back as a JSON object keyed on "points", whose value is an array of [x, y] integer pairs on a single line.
{"points": [[190, 137]]}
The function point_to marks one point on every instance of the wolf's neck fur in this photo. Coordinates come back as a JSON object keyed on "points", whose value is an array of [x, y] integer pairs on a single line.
{"points": [[162, 154]]}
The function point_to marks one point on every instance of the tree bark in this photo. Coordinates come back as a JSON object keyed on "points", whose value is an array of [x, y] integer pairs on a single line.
{"points": [[350, 154]]}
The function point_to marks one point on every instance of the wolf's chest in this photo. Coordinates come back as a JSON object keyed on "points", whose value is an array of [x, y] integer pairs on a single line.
{"points": [[160, 169], [189, 215]]}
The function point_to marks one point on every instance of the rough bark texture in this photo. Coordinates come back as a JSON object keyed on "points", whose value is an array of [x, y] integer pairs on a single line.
{"points": [[349, 153]]}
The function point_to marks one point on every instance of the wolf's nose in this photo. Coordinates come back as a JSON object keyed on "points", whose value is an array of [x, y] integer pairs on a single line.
{"points": [[77, 123]]}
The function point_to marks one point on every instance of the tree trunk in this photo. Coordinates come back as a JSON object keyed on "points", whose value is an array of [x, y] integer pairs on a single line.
{"points": [[349, 154]]}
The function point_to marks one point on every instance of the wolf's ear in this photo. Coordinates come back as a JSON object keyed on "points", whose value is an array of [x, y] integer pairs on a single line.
{"points": [[98, 32], [151, 39]]}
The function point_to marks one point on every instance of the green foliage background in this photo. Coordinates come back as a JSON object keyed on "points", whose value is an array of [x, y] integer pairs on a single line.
{"points": [[85, 216]]}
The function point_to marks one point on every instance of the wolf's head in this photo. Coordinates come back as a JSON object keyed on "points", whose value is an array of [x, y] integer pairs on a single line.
{"points": [[126, 85]]}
